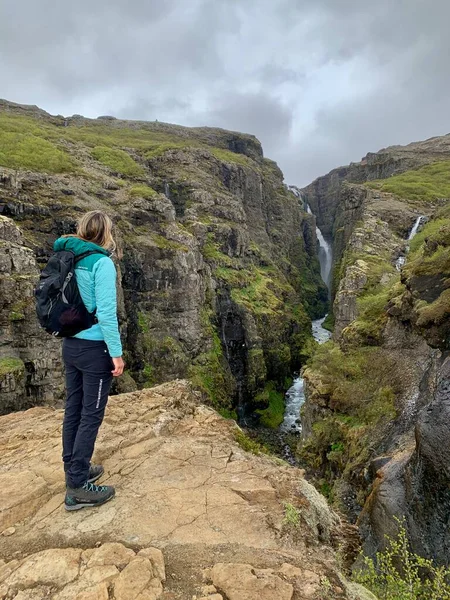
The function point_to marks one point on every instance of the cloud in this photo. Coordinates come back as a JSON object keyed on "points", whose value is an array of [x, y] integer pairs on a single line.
{"points": [[320, 82]]}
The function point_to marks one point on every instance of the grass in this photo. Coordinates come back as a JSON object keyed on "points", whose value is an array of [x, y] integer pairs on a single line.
{"points": [[227, 156], [427, 183], [11, 365], [273, 415], [142, 191], [118, 161], [27, 151]]}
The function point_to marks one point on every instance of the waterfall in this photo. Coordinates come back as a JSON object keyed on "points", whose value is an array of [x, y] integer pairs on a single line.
{"points": [[325, 254], [402, 259]]}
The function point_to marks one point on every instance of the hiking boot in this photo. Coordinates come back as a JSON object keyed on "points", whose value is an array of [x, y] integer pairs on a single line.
{"points": [[88, 495], [95, 472]]}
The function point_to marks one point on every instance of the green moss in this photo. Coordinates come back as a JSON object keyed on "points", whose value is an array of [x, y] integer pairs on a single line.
{"points": [[163, 242], [329, 321], [248, 444], [148, 376], [212, 252], [259, 295], [226, 413], [209, 373], [435, 313], [27, 151], [227, 156], [142, 191], [118, 161], [427, 183], [11, 365], [273, 415]]}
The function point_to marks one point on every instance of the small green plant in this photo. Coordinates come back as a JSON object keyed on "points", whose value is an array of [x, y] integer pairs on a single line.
{"points": [[291, 515], [398, 573], [11, 365]]}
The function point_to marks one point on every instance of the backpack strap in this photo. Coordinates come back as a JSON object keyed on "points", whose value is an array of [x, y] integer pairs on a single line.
{"points": [[87, 253]]}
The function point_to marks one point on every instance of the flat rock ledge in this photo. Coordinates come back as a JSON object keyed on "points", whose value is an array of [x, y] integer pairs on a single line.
{"points": [[195, 517]]}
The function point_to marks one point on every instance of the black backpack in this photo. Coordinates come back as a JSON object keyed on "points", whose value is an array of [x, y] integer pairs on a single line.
{"points": [[59, 306]]}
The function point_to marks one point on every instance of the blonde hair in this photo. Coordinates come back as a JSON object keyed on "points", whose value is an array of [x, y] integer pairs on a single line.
{"points": [[97, 227]]}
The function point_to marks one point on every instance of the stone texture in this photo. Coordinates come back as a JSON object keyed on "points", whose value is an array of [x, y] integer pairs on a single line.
{"points": [[240, 582], [182, 483]]}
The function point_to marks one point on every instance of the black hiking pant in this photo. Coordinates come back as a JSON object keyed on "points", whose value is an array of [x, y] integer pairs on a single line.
{"points": [[88, 380]]}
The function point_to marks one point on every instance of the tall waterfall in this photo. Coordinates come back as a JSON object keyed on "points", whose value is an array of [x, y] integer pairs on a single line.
{"points": [[402, 259], [325, 254]]}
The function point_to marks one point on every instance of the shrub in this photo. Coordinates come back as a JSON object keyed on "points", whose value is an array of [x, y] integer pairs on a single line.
{"points": [[400, 574], [248, 444], [118, 161]]}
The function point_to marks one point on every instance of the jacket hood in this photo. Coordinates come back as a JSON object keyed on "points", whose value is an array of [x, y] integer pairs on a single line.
{"points": [[77, 246]]}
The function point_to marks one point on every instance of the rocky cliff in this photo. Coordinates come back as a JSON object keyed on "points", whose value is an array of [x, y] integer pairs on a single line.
{"points": [[375, 392], [218, 275], [195, 515]]}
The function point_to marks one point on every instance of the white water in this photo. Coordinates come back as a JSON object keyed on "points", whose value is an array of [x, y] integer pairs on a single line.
{"points": [[295, 396], [325, 254], [402, 259]]}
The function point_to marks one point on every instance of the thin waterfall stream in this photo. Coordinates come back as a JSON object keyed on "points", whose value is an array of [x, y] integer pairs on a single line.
{"points": [[402, 259]]}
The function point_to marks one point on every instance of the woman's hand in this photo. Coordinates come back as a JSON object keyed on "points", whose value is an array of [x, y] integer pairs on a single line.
{"points": [[119, 366]]}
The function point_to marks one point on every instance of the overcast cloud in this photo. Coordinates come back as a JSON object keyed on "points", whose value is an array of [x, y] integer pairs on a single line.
{"points": [[319, 82]]}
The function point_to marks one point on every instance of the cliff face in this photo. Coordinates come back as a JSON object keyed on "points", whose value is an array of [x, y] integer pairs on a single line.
{"points": [[375, 392], [218, 275]]}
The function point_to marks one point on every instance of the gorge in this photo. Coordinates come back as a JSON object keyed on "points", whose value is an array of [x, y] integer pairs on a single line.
{"points": [[225, 277]]}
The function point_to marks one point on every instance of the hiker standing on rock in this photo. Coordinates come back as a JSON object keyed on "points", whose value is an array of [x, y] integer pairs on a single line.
{"points": [[91, 357]]}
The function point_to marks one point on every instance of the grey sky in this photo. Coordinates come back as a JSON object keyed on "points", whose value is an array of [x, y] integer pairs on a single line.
{"points": [[319, 82]]}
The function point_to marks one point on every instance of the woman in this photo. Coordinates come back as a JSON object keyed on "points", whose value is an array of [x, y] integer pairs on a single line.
{"points": [[91, 358]]}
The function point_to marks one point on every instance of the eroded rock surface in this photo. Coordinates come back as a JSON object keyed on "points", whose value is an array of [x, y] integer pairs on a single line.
{"points": [[188, 499]]}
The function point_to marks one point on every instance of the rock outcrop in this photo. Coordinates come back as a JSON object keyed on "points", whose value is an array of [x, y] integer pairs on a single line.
{"points": [[195, 516], [218, 270]]}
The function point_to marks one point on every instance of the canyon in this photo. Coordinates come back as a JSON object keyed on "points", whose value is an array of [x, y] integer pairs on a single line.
{"points": [[225, 275]]}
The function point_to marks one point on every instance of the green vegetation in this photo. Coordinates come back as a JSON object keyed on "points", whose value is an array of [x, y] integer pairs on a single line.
{"points": [[27, 151], [148, 376], [329, 322], [227, 156], [273, 415], [426, 183], [209, 372], [118, 161], [212, 252], [400, 574], [158, 149], [291, 515], [248, 444], [11, 365], [142, 191], [360, 386]]}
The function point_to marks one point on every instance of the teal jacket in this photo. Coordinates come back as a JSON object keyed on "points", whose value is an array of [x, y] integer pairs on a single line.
{"points": [[96, 278]]}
